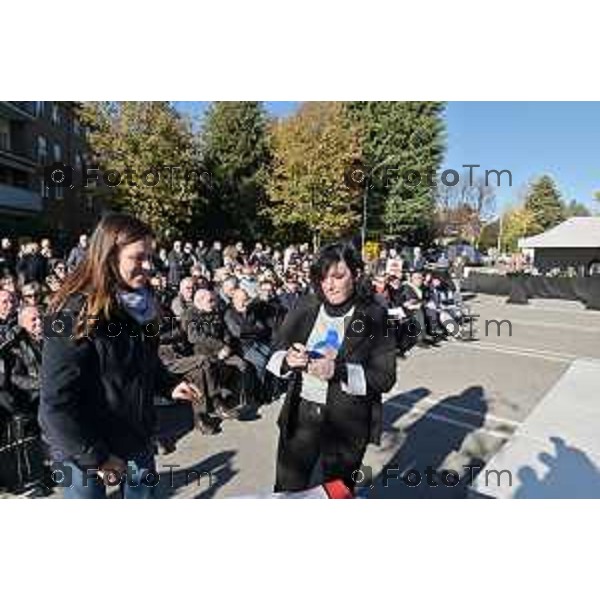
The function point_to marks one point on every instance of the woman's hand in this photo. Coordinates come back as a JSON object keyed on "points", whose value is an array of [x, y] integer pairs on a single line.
{"points": [[186, 391], [224, 352], [296, 357], [323, 368]]}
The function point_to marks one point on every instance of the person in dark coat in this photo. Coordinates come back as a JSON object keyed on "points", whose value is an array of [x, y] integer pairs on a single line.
{"points": [[212, 345], [249, 333], [414, 299], [291, 293], [8, 316], [7, 258], [214, 257], [22, 362], [336, 374], [268, 305], [101, 369], [176, 270], [32, 266]]}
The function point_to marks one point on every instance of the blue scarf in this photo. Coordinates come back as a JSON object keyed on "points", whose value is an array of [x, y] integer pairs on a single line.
{"points": [[139, 304]]}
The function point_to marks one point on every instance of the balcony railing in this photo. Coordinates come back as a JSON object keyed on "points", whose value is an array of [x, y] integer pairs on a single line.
{"points": [[19, 199], [17, 110], [17, 160]]}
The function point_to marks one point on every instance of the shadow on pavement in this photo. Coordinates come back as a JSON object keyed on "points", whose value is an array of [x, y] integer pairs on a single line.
{"points": [[425, 444], [205, 477], [571, 475]]}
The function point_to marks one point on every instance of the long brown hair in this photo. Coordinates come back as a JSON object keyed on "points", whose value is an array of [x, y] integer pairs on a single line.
{"points": [[97, 275]]}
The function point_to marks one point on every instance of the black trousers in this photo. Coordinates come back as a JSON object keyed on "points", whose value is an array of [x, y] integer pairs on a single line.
{"points": [[333, 436]]}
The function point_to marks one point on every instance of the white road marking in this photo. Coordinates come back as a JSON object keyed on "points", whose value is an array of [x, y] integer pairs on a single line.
{"points": [[436, 404], [520, 351], [429, 415]]}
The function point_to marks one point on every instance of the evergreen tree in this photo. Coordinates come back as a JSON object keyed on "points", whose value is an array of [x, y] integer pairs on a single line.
{"points": [[543, 202], [402, 146], [235, 153]]}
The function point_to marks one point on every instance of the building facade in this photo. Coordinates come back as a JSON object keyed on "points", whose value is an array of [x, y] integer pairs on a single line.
{"points": [[33, 136]]}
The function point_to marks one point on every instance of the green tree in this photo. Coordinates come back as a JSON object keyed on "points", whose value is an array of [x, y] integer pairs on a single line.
{"points": [[146, 155], [396, 138], [307, 190], [544, 203], [236, 154]]}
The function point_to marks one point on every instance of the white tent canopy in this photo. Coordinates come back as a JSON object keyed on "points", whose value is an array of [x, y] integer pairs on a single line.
{"points": [[576, 232]]}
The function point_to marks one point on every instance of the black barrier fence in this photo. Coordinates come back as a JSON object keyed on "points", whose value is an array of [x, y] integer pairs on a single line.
{"points": [[520, 288]]}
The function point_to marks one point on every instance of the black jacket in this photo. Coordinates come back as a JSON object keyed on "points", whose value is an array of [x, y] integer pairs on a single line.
{"points": [[97, 393], [205, 331], [32, 267], [376, 354], [26, 367], [246, 328], [271, 312], [214, 259]]}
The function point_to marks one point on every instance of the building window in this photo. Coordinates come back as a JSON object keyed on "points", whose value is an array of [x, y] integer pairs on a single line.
{"points": [[55, 114], [39, 108], [57, 152], [4, 135], [42, 149], [43, 188], [59, 192]]}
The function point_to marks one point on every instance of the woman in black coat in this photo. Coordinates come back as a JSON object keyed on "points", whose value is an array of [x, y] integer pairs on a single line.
{"points": [[101, 370], [338, 357]]}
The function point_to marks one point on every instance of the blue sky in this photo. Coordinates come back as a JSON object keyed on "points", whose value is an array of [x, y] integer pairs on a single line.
{"points": [[527, 138]]}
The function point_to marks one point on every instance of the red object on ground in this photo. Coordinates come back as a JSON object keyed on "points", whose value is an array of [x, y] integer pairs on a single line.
{"points": [[337, 490]]}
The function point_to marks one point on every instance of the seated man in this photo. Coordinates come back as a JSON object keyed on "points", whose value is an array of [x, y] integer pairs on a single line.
{"points": [[184, 299], [250, 334], [291, 293], [20, 367], [413, 300], [206, 332], [8, 304], [269, 306], [25, 358], [228, 287]]}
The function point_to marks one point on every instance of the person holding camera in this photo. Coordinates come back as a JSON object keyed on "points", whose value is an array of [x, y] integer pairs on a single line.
{"points": [[101, 369], [335, 352]]}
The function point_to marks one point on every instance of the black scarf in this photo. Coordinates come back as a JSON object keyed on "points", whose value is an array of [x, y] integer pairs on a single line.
{"points": [[338, 310]]}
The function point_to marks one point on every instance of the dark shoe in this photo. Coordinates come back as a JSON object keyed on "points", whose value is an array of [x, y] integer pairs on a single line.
{"points": [[226, 413], [166, 447], [208, 425]]}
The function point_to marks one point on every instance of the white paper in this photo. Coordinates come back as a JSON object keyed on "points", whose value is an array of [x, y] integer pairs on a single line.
{"points": [[314, 389]]}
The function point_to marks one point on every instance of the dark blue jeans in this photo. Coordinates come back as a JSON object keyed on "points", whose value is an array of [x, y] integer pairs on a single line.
{"points": [[138, 483]]}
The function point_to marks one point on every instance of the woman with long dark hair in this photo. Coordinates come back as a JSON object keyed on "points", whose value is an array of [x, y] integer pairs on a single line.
{"points": [[335, 350], [100, 367]]}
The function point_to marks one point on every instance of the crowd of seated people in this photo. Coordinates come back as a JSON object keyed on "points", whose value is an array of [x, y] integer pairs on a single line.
{"points": [[425, 306], [221, 306]]}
